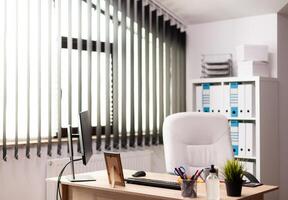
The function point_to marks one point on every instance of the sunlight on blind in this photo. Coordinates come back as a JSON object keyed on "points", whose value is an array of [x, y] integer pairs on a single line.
{"points": [[22, 72]]}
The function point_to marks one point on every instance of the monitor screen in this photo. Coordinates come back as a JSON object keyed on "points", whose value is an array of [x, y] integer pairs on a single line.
{"points": [[85, 136]]}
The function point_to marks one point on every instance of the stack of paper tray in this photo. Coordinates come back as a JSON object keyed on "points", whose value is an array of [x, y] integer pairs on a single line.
{"points": [[216, 67]]}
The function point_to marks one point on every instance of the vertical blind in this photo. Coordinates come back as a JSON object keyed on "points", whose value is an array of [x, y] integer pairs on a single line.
{"points": [[122, 60]]}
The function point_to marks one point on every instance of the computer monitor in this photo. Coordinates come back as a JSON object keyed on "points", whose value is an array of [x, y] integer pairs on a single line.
{"points": [[85, 136], [85, 140]]}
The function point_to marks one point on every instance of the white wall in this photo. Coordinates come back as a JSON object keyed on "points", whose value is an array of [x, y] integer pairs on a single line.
{"points": [[283, 102], [25, 179], [224, 36]]}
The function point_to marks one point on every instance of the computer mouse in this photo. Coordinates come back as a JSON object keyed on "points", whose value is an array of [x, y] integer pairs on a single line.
{"points": [[139, 174]]}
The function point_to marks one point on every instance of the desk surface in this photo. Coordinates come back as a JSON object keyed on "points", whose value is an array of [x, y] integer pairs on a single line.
{"points": [[102, 185]]}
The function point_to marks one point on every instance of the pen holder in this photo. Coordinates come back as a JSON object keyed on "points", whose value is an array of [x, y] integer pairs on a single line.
{"points": [[189, 188]]}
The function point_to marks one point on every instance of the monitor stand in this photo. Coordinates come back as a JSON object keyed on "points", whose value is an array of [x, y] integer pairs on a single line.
{"points": [[73, 177], [81, 178]]}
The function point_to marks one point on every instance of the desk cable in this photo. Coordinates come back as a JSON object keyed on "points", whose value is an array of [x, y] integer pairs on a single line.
{"points": [[58, 192]]}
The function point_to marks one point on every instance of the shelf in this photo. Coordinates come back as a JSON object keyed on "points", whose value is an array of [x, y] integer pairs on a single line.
{"points": [[238, 118], [225, 80], [246, 157], [242, 118]]}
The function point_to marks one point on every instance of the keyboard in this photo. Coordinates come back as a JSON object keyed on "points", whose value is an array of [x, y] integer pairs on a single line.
{"points": [[154, 183]]}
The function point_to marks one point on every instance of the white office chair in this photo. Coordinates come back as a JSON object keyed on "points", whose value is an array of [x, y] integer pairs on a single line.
{"points": [[196, 140]]}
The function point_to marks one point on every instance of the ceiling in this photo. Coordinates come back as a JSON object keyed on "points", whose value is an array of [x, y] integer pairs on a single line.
{"points": [[201, 11]]}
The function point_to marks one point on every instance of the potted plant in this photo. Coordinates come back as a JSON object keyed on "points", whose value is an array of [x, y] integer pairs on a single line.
{"points": [[233, 173]]}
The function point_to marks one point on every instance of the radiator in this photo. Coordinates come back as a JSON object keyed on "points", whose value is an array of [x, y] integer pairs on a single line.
{"points": [[136, 160]]}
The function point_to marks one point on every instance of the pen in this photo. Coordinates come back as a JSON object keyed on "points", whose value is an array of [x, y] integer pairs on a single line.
{"points": [[179, 173], [192, 178], [198, 174]]}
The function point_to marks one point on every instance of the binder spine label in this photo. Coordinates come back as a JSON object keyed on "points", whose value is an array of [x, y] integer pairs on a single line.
{"points": [[234, 99], [206, 97], [199, 98], [234, 131]]}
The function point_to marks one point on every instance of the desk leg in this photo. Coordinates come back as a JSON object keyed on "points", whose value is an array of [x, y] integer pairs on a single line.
{"points": [[64, 192]]}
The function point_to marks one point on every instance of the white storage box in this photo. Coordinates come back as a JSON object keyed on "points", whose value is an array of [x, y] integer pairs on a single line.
{"points": [[252, 53], [253, 68]]}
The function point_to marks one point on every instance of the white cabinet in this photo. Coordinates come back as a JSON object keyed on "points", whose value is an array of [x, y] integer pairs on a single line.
{"points": [[251, 106]]}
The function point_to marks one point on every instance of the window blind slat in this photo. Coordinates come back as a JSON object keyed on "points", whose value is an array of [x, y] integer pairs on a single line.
{"points": [[176, 90], [59, 120], [132, 65], [98, 106], [168, 67], [154, 75], [16, 80], [49, 148], [161, 102], [4, 80], [69, 62], [39, 81], [180, 72], [147, 35], [115, 76], [107, 54], [89, 57], [89, 53], [179, 69], [79, 47], [28, 82], [183, 70], [124, 54], [174, 70], [139, 12]]}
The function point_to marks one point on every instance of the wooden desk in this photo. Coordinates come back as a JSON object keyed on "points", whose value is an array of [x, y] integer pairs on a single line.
{"points": [[101, 190]]}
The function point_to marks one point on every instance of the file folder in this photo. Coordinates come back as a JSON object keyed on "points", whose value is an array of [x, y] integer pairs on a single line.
{"points": [[234, 131], [242, 139], [219, 99], [250, 139], [216, 98], [241, 100], [234, 99], [226, 100], [249, 100], [206, 97], [198, 98], [213, 98]]}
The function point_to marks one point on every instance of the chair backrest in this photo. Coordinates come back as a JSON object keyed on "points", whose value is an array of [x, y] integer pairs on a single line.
{"points": [[196, 140]]}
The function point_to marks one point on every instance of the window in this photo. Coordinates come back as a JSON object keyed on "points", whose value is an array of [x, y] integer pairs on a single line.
{"points": [[128, 69]]}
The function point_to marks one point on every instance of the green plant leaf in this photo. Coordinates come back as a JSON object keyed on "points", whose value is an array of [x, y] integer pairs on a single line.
{"points": [[233, 171]]}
